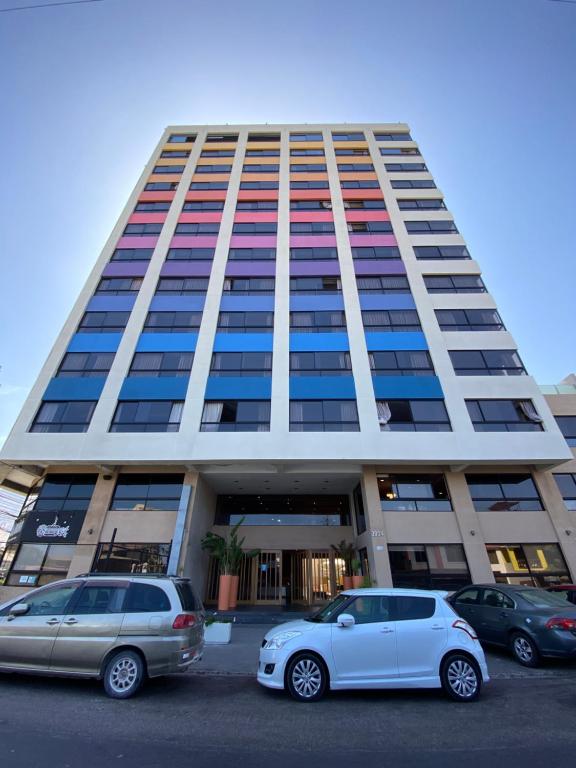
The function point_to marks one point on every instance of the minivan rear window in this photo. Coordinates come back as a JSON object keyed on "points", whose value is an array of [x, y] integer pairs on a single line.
{"points": [[145, 598], [187, 597]]}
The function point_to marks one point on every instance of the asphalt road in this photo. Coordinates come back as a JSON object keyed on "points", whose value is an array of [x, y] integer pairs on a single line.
{"points": [[200, 720]]}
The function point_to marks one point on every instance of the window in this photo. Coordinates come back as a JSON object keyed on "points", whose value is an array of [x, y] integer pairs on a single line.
{"points": [[244, 286], [208, 185], [359, 184], [370, 609], [307, 152], [103, 322], [168, 169], [352, 136], [412, 184], [255, 228], [257, 205], [101, 598], [85, 364], [414, 493], [354, 167], [310, 254], [504, 416], [211, 153], [245, 322], [363, 205], [391, 320], [65, 493], [258, 185], [63, 416], [399, 151], [138, 492], [204, 205], [308, 168], [210, 228], [172, 322], [309, 185], [161, 364], [446, 252], [401, 363], [131, 558], [260, 168], [496, 599], [190, 254], [313, 136], [566, 483], [437, 227], [323, 416], [278, 510], [489, 362], [147, 416], [142, 230], [454, 284], [359, 513], [153, 206], [262, 153], [502, 493], [429, 566], [145, 598], [469, 596], [213, 168], [53, 601], [119, 286], [347, 152], [182, 286], [241, 364], [132, 254], [236, 416], [320, 364], [252, 254], [408, 608], [421, 205], [406, 167], [161, 186], [527, 564], [567, 425], [392, 137], [175, 153], [181, 138], [378, 252], [321, 285], [469, 320], [383, 284], [219, 138], [310, 205], [361, 227], [413, 416], [317, 322]]}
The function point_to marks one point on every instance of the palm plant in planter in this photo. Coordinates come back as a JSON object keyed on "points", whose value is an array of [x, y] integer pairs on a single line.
{"points": [[235, 556], [346, 552], [357, 577], [228, 552]]}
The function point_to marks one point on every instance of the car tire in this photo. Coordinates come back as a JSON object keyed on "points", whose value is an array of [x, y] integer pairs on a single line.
{"points": [[461, 678], [524, 650], [124, 675], [306, 677]]}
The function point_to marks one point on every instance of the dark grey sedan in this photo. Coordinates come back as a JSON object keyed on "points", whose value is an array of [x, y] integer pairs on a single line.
{"points": [[531, 622]]}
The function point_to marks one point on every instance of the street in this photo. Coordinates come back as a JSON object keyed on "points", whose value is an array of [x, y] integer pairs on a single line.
{"points": [[220, 720]]}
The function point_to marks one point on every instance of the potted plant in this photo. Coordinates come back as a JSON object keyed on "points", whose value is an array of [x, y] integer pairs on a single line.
{"points": [[217, 631], [346, 552], [235, 556], [357, 577]]}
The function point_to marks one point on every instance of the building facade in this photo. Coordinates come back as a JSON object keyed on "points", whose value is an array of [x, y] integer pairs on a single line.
{"points": [[286, 328]]}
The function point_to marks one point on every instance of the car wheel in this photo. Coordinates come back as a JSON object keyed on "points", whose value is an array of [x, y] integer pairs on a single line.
{"points": [[524, 650], [124, 675], [461, 678], [306, 677]]}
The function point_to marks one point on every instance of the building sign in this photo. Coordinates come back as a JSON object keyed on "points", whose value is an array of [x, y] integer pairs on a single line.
{"points": [[377, 533], [53, 527]]}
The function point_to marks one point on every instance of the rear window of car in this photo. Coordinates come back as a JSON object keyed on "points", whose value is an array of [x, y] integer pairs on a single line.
{"points": [[188, 599], [407, 608], [145, 598], [541, 599]]}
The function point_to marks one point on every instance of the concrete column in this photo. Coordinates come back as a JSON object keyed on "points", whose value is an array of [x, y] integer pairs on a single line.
{"points": [[559, 517], [470, 530], [93, 524], [376, 545]]}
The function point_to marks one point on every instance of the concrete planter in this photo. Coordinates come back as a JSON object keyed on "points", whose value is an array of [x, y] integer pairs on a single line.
{"points": [[217, 633]]}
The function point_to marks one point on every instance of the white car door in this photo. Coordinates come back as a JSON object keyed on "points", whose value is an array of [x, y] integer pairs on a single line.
{"points": [[366, 651], [422, 635]]}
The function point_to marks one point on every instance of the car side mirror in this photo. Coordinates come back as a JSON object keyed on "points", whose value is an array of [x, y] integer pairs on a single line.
{"points": [[346, 620], [20, 609]]}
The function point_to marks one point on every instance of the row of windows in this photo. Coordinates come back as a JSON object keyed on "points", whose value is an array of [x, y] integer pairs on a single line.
{"points": [[178, 138]]}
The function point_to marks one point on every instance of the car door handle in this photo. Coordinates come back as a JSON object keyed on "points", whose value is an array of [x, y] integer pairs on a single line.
{"points": [[51, 622], [386, 630], [69, 622], [437, 626]]}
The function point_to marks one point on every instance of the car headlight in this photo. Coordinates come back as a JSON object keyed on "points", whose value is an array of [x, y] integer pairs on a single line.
{"points": [[280, 640]]}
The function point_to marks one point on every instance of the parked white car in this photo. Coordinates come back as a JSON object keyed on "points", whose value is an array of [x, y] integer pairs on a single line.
{"points": [[375, 638]]}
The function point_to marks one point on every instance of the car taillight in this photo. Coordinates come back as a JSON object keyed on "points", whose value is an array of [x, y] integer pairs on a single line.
{"points": [[184, 621], [459, 624], [558, 622]]}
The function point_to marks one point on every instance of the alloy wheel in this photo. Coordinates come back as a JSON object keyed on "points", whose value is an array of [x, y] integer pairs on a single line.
{"points": [[462, 678], [307, 678], [123, 675], [523, 649]]}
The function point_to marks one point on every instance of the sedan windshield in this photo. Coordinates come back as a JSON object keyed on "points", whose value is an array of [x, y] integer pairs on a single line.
{"points": [[328, 612], [541, 599]]}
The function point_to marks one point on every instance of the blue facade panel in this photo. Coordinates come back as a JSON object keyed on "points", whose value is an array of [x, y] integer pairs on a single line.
{"points": [[167, 342], [387, 301], [407, 387], [94, 342], [80, 388], [409, 340], [247, 304], [319, 342], [243, 342], [177, 303], [154, 388], [316, 302], [111, 304], [322, 388], [239, 388]]}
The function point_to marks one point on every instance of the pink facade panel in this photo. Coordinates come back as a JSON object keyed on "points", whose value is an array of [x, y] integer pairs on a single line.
{"points": [[246, 217], [253, 241], [147, 217], [314, 241], [194, 241], [367, 215], [200, 217], [357, 241], [311, 216], [130, 241]]}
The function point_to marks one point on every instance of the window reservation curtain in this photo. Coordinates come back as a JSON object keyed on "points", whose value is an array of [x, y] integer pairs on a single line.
{"points": [[530, 411], [211, 415]]}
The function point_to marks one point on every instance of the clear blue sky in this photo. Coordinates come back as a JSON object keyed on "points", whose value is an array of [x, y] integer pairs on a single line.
{"points": [[488, 87]]}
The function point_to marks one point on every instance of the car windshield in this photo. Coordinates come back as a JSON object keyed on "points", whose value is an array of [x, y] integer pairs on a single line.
{"points": [[541, 599], [327, 612]]}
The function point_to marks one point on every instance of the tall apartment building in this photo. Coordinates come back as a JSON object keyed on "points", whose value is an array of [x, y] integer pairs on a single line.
{"points": [[285, 327]]}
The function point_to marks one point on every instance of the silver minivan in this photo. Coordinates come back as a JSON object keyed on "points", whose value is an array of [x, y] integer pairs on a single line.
{"points": [[117, 628]]}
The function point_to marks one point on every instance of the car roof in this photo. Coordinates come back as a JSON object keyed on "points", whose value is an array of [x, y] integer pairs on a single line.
{"points": [[394, 591], [502, 587]]}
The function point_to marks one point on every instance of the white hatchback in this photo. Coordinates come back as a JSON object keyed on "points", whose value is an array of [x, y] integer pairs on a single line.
{"points": [[375, 638]]}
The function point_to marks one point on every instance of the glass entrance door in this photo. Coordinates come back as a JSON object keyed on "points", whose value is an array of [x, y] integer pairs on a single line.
{"points": [[267, 579], [315, 576]]}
